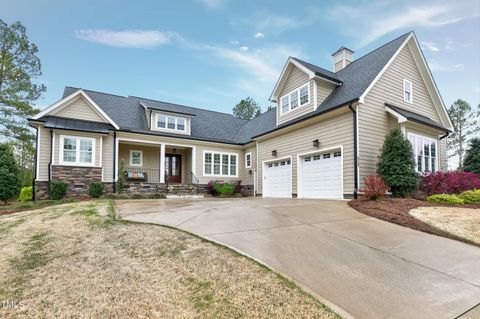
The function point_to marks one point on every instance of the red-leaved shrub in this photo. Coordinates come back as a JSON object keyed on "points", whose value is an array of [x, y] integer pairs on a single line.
{"points": [[448, 182], [374, 187]]}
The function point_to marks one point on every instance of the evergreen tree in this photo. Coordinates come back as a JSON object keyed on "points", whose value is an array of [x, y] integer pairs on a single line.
{"points": [[247, 109], [9, 177], [472, 157], [396, 164]]}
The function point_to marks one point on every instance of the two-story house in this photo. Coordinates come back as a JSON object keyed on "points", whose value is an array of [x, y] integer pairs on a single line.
{"points": [[320, 141]]}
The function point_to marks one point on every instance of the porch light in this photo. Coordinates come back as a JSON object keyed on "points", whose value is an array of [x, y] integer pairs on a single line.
{"points": [[274, 153], [316, 143]]}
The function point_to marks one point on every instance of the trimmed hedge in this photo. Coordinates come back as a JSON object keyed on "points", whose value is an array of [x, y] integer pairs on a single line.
{"points": [[445, 199], [471, 197]]}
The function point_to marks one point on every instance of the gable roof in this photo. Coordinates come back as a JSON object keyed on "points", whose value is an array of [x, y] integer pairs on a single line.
{"points": [[415, 117]]}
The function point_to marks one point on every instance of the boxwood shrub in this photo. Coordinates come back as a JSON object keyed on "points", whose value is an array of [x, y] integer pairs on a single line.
{"points": [[445, 199], [471, 197], [57, 190]]}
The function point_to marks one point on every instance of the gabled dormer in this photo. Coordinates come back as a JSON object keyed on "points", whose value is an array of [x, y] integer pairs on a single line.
{"points": [[301, 88], [168, 121]]}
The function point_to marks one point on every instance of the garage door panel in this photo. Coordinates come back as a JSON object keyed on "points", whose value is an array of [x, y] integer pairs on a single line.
{"points": [[278, 179], [321, 175]]}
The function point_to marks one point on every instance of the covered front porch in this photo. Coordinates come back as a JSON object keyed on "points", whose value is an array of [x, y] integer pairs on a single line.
{"points": [[148, 162]]}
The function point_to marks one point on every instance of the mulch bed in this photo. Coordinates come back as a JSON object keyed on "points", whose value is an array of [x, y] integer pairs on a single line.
{"points": [[395, 210]]}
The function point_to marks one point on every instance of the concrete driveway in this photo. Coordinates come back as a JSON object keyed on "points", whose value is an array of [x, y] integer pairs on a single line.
{"points": [[367, 267]]}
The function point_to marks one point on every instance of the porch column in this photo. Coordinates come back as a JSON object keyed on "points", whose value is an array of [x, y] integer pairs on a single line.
{"points": [[162, 163], [194, 160]]}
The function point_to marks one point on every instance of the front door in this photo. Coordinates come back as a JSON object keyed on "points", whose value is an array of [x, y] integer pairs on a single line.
{"points": [[173, 168]]}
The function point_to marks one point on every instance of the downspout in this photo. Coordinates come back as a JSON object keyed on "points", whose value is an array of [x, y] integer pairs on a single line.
{"points": [[114, 161], [34, 198], [355, 151], [444, 136], [51, 157]]}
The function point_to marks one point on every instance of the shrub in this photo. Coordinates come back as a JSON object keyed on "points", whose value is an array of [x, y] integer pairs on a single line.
{"points": [[9, 174], [136, 196], [448, 182], [26, 194], [445, 199], [225, 189], [211, 187], [471, 163], [95, 189], [57, 190], [157, 196], [374, 187], [396, 164], [120, 184], [471, 197], [238, 186], [218, 187]]}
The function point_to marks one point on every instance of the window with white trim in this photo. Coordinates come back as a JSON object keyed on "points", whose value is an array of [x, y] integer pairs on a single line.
{"points": [[425, 152], [169, 122], [407, 91], [220, 164], [136, 158], [248, 160], [76, 150], [297, 98]]}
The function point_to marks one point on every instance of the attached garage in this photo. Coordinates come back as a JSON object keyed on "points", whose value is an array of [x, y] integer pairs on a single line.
{"points": [[277, 178], [320, 175]]}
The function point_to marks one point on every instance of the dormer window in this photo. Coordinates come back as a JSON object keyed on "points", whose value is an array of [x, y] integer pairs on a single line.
{"points": [[169, 122], [407, 91], [294, 99]]}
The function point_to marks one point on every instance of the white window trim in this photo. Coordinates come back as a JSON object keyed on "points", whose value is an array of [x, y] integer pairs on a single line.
{"points": [[246, 155], [411, 91], [289, 101], [220, 153], [141, 158], [166, 123], [437, 154], [77, 156]]}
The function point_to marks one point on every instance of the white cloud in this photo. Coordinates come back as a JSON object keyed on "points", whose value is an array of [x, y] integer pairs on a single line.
{"points": [[213, 4], [271, 23], [259, 35], [376, 19], [126, 38], [244, 48], [234, 42], [431, 46]]}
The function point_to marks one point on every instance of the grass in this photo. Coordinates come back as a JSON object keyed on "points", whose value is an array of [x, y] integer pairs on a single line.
{"points": [[22, 206], [75, 260], [457, 221]]}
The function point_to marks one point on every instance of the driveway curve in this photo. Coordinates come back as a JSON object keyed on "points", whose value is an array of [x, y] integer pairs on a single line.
{"points": [[367, 267]]}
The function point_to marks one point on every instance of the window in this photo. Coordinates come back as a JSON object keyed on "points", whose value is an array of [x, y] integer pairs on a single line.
{"points": [[308, 159], [220, 164], [327, 155], [337, 154], [407, 91], [75, 150], [294, 99], [248, 160], [136, 158], [169, 122], [316, 157], [424, 152]]}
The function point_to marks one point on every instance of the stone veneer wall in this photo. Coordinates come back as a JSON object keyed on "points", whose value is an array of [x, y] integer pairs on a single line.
{"points": [[78, 178]]}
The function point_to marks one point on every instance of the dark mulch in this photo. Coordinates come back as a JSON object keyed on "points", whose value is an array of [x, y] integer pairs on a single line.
{"points": [[395, 210]]}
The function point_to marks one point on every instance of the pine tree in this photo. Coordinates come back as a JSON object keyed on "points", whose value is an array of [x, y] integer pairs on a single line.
{"points": [[472, 157], [9, 177], [396, 164], [247, 109]]}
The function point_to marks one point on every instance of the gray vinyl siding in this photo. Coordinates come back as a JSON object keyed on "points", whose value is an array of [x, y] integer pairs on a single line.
{"points": [[332, 132], [79, 109], [375, 122], [296, 78], [43, 153]]}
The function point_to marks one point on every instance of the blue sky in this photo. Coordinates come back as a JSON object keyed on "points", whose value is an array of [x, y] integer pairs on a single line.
{"points": [[212, 53]]}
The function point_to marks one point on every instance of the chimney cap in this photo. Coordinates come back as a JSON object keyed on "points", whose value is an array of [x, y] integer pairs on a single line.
{"points": [[341, 49]]}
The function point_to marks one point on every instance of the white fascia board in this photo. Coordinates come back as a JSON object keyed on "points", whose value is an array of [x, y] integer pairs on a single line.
{"points": [[69, 98], [281, 80], [399, 116]]}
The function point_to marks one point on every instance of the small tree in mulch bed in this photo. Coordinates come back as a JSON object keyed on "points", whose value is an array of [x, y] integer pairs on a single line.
{"points": [[9, 174], [396, 164]]}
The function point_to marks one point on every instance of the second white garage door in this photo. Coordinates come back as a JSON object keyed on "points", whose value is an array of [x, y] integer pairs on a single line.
{"points": [[320, 175], [277, 179]]}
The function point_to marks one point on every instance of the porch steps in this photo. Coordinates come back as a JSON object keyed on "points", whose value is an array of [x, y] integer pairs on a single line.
{"points": [[182, 190], [184, 196]]}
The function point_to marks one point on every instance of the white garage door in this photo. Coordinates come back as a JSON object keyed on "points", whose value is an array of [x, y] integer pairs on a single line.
{"points": [[277, 180], [321, 175]]}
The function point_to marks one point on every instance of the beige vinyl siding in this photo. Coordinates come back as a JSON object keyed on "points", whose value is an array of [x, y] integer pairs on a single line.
{"points": [[296, 78], [442, 145], [323, 90], [58, 146], [248, 179], [200, 147], [333, 131], [375, 122], [151, 159], [44, 153], [79, 109], [107, 158]]}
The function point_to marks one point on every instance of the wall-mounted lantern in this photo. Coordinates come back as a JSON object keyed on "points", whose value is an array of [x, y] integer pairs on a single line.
{"points": [[274, 153], [316, 143]]}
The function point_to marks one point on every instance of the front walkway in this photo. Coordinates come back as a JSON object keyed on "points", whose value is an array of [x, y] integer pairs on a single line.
{"points": [[367, 267]]}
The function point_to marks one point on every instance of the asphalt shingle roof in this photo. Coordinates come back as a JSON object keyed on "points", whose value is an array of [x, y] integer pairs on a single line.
{"points": [[415, 117], [129, 115]]}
